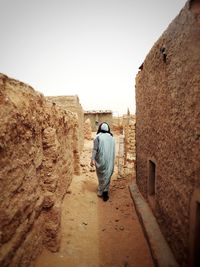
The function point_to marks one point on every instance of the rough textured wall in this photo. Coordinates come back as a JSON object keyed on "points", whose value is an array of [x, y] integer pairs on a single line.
{"points": [[87, 130], [36, 167], [168, 125], [127, 153], [96, 117], [129, 135], [117, 126], [72, 103]]}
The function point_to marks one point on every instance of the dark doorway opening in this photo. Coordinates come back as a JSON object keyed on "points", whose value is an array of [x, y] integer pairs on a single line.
{"points": [[151, 183], [152, 177], [197, 237]]}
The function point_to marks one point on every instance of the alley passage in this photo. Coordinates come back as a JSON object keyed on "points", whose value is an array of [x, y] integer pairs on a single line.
{"points": [[97, 233]]}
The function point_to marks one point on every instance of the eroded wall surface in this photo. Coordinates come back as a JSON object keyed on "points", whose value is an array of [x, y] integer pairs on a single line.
{"points": [[129, 122], [37, 162], [127, 153], [117, 125], [168, 127], [87, 129], [72, 103]]}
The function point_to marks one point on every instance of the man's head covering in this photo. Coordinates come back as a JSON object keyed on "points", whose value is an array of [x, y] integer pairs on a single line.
{"points": [[104, 127]]}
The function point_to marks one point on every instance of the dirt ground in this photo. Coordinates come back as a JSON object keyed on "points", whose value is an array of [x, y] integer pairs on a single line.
{"points": [[97, 233]]}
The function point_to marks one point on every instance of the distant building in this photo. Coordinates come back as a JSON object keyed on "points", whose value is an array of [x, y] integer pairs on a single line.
{"points": [[98, 116], [168, 133]]}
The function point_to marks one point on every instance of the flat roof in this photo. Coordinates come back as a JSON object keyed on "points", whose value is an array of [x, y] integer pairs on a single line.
{"points": [[97, 111]]}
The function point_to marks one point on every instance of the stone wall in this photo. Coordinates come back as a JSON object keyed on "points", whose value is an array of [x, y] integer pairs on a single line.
{"points": [[72, 103], [37, 160], [97, 117], [168, 132]]}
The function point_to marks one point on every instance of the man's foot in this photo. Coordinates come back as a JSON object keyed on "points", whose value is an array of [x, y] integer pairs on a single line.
{"points": [[105, 196], [99, 194]]}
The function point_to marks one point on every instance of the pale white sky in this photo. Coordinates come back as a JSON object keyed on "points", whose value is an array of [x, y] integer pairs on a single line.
{"points": [[89, 48]]}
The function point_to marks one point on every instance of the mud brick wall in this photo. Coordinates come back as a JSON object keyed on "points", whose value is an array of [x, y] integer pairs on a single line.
{"points": [[117, 126], [87, 129], [97, 117], [168, 127], [126, 157], [37, 162], [72, 103], [129, 135]]}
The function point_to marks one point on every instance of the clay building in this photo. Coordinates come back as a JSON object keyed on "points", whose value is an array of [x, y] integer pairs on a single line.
{"points": [[98, 116], [127, 153], [168, 133], [71, 103], [39, 153]]}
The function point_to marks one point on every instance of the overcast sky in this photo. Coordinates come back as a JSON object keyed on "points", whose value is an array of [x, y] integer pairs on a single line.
{"points": [[89, 48]]}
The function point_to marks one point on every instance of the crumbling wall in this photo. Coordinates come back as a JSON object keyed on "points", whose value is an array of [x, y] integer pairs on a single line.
{"points": [[127, 154], [36, 167], [72, 103], [87, 130], [129, 135], [117, 126], [168, 128]]}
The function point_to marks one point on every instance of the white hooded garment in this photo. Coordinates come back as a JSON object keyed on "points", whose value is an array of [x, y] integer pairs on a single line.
{"points": [[104, 155]]}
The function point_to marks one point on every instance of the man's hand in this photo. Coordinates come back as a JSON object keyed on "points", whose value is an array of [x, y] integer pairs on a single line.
{"points": [[92, 162]]}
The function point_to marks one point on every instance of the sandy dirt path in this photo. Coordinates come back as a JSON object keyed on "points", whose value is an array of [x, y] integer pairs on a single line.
{"points": [[97, 233]]}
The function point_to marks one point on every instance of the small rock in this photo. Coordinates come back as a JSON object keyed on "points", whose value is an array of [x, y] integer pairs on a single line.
{"points": [[121, 228], [85, 223], [48, 201]]}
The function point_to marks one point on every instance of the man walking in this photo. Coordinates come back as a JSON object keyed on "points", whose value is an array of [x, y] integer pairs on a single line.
{"points": [[103, 158]]}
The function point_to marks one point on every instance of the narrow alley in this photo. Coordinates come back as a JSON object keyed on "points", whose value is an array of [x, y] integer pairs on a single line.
{"points": [[97, 233], [72, 69]]}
